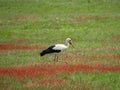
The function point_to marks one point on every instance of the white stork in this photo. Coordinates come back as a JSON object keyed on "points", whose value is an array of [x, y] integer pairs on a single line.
{"points": [[56, 49]]}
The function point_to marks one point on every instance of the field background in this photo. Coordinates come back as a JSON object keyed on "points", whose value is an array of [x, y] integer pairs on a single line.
{"points": [[29, 26]]}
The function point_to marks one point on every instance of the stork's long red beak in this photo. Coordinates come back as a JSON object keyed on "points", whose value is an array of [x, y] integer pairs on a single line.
{"points": [[71, 44]]}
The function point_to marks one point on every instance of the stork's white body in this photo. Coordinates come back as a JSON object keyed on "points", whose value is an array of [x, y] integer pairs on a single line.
{"points": [[61, 47]]}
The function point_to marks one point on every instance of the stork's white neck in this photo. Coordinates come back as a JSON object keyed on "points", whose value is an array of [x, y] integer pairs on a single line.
{"points": [[67, 44]]}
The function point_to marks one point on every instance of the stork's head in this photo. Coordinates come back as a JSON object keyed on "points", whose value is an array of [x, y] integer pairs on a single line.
{"points": [[68, 40]]}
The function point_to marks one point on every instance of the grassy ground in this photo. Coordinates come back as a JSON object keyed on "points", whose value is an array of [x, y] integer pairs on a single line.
{"points": [[93, 26]]}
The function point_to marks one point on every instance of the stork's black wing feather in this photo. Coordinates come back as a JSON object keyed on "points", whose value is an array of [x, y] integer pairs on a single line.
{"points": [[49, 50]]}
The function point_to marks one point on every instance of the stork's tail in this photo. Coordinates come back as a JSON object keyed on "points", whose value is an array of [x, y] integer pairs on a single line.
{"points": [[43, 53]]}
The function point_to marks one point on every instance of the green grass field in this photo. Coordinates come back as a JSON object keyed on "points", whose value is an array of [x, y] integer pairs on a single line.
{"points": [[93, 25]]}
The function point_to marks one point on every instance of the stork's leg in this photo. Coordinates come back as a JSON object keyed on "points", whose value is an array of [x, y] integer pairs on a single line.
{"points": [[54, 59], [57, 58]]}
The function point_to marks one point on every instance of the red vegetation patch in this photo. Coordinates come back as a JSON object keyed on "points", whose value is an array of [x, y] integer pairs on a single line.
{"points": [[13, 47], [51, 70]]}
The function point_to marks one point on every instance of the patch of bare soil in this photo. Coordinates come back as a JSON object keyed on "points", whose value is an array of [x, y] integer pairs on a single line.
{"points": [[26, 17], [1, 24], [46, 83], [117, 39], [82, 19], [0, 84], [53, 82], [113, 56], [14, 49], [21, 40], [52, 70], [105, 56], [105, 49]]}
